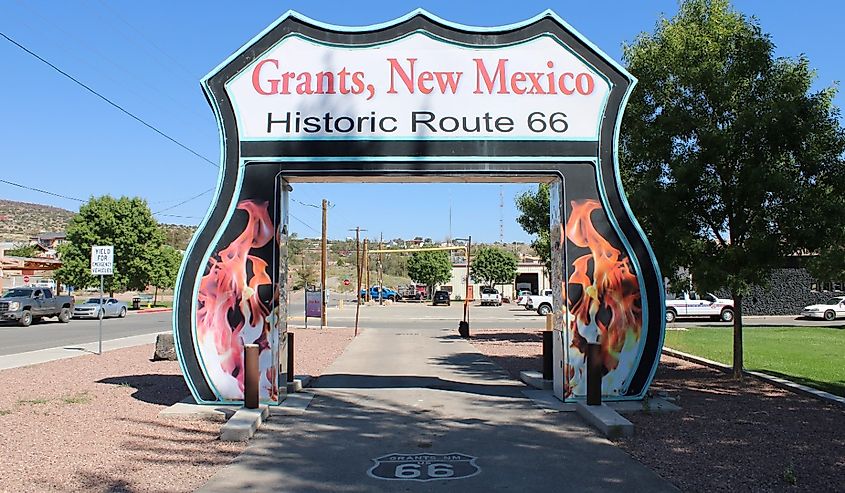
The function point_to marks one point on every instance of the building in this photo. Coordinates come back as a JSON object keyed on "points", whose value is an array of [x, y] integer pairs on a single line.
{"points": [[529, 275]]}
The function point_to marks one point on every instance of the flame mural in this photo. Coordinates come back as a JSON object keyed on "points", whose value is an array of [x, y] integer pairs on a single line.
{"points": [[608, 309], [230, 314]]}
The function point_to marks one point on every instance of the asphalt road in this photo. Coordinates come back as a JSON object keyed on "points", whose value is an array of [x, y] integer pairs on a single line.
{"points": [[50, 333]]}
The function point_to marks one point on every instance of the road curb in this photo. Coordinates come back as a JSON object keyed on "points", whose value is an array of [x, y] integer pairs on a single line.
{"points": [[776, 381], [152, 310], [38, 356]]}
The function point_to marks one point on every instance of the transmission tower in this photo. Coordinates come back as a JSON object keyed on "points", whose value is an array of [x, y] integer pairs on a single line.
{"points": [[502, 214]]}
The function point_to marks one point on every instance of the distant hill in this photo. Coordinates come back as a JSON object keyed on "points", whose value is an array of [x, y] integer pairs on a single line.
{"points": [[19, 221], [178, 235]]}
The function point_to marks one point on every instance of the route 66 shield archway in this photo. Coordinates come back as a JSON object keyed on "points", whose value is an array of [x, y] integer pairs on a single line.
{"points": [[418, 99]]}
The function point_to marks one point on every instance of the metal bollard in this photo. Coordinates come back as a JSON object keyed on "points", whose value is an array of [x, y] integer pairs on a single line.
{"points": [[548, 368], [463, 329], [290, 357], [251, 376], [594, 374]]}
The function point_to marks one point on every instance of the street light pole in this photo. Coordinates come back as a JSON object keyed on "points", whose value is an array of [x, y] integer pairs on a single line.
{"points": [[463, 327], [466, 297]]}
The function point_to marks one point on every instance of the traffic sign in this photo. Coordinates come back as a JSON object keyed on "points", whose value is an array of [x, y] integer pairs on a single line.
{"points": [[26, 279], [102, 260]]}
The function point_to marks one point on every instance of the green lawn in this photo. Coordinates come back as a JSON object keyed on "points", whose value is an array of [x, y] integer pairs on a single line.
{"points": [[813, 356]]}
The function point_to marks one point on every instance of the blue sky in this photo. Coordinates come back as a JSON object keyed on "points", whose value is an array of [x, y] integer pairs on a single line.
{"points": [[149, 57]]}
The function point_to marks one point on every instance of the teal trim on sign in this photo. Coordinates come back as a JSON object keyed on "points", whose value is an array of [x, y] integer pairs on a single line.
{"points": [[445, 159], [639, 229], [630, 251], [206, 254], [454, 25], [191, 245]]}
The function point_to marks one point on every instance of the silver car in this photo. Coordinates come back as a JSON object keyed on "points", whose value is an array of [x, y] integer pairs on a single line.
{"points": [[92, 308]]}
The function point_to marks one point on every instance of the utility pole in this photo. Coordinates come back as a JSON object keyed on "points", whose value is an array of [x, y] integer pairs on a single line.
{"points": [[380, 271], [324, 268], [358, 268], [466, 297], [367, 268], [502, 214]]}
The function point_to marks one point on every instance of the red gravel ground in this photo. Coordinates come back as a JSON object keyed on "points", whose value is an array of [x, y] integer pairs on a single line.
{"points": [[729, 436], [91, 423]]}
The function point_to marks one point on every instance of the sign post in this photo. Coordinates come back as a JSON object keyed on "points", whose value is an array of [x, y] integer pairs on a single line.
{"points": [[313, 305], [102, 264]]}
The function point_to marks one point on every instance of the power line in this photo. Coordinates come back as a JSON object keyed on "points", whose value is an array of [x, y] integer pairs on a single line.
{"points": [[184, 201], [25, 187], [304, 223], [47, 192], [109, 101]]}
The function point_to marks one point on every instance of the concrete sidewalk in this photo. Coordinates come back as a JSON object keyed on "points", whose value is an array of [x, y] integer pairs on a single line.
{"points": [[17, 360], [430, 407]]}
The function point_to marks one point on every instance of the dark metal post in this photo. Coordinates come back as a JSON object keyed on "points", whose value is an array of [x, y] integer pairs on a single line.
{"points": [[251, 376], [548, 370], [594, 374], [290, 356]]}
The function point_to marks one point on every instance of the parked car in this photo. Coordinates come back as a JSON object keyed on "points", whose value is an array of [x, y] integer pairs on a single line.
{"points": [[389, 294], [441, 298], [412, 292], [522, 297], [690, 304], [92, 309], [490, 296], [29, 304], [829, 310], [542, 303]]}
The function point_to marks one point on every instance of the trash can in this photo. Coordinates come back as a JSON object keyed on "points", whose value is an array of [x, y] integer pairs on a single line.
{"points": [[136, 303]]}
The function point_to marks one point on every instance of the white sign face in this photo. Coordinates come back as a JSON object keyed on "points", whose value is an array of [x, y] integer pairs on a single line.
{"points": [[102, 260], [418, 87]]}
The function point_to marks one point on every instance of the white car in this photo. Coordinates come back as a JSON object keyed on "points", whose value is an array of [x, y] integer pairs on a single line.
{"points": [[490, 296], [522, 297], [542, 303], [692, 305], [829, 310]]}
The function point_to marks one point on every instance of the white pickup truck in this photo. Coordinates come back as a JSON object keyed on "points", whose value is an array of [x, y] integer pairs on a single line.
{"points": [[540, 302], [690, 304], [490, 296]]}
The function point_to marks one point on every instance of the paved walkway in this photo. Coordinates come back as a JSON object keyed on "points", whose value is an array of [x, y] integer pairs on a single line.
{"points": [[427, 392]]}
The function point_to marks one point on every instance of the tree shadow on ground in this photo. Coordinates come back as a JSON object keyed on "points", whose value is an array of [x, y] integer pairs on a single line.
{"points": [[746, 433], [350, 381], [165, 390], [535, 337]]}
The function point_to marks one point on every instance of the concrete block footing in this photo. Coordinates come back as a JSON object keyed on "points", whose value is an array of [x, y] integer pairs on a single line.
{"points": [[299, 383], [610, 423], [535, 379], [190, 410], [243, 424]]}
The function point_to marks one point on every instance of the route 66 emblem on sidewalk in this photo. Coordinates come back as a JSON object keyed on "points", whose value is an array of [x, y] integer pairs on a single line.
{"points": [[424, 467]]}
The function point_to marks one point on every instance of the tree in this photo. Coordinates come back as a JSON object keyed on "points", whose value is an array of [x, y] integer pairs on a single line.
{"points": [[729, 158], [494, 266], [430, 268], [165, 269], [534, 219], [306, 276], [829, 265], [22, 250], [128, 225]]}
